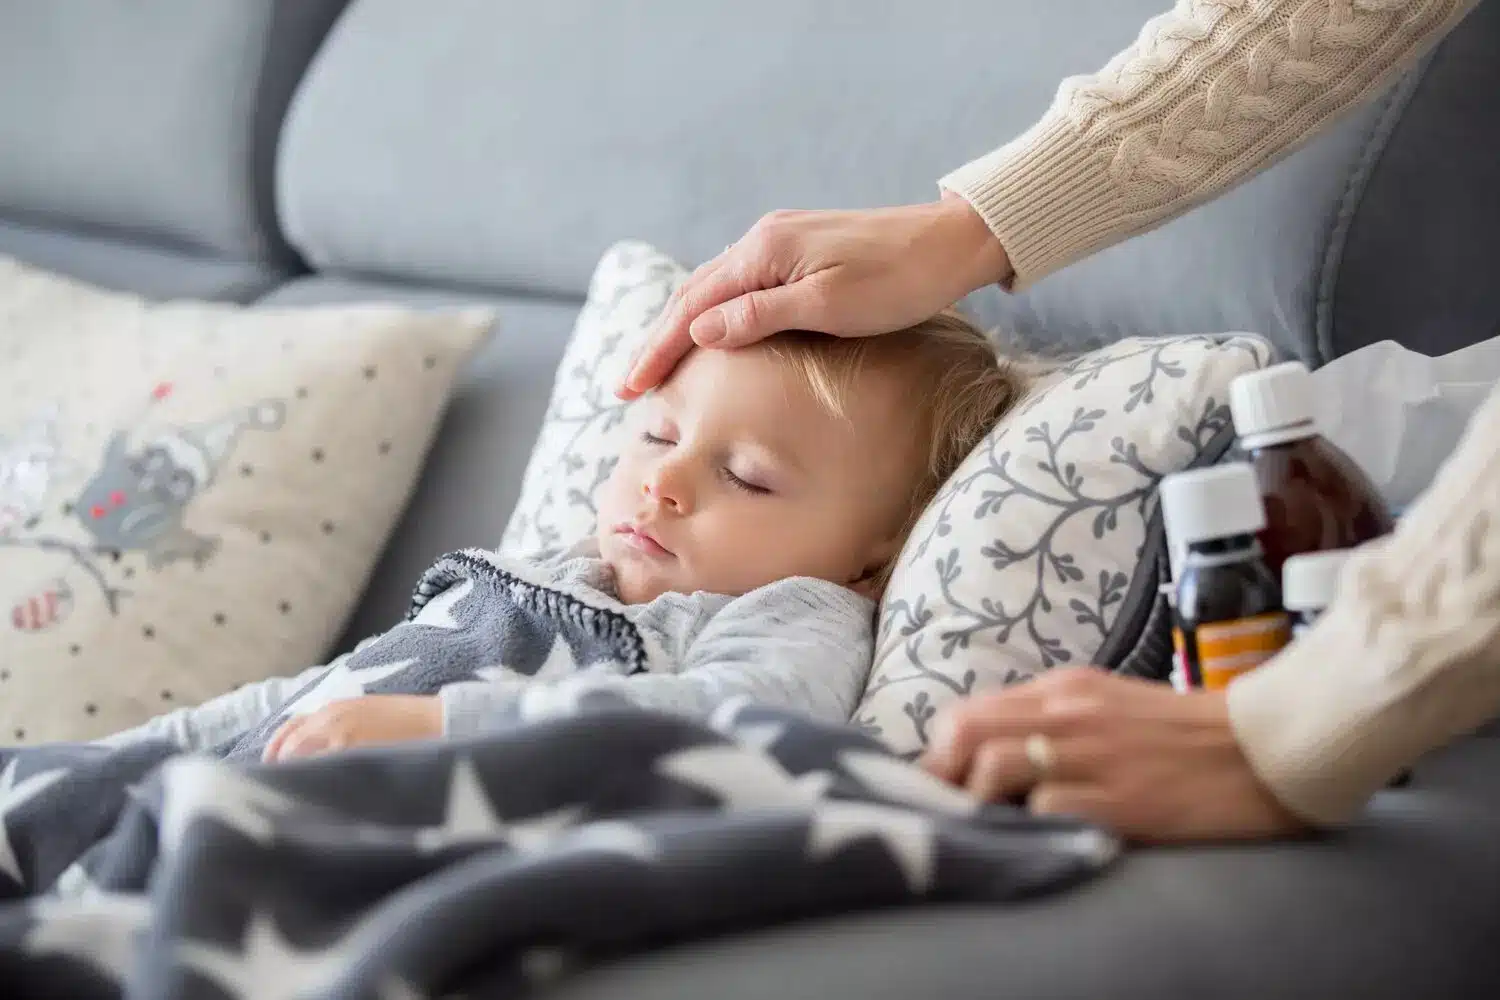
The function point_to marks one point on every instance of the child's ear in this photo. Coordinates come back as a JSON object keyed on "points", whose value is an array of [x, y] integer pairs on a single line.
{"points": [[872, 580], [870, 585]]}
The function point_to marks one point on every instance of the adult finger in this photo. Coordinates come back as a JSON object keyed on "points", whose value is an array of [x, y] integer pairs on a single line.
{"points": [[668, 318], [670, 339], [1000, 771], [1003, 769], [1078, 800], [754, 316], [962, 728]]}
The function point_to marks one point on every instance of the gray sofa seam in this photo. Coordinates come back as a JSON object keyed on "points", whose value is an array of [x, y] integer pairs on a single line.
{"points": [[1363, 166], [271, 105]]}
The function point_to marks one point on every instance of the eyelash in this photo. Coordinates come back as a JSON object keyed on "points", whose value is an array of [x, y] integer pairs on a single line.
{"points": [[729, 476], [740, 484]]}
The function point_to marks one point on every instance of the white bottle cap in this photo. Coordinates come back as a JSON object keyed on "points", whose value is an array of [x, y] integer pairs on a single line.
{"points": [[1308, 582], [1273, 405], [1220, 501]]}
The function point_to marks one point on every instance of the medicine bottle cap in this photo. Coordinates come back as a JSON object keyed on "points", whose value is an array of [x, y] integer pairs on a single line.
{"points": [[1273, 405], [1220, 501], [1309, 581]]}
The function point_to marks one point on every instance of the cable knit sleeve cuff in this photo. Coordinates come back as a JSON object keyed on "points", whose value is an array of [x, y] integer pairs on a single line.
{"points": [[1048, 197], [1407, 658], [1319, 725]]}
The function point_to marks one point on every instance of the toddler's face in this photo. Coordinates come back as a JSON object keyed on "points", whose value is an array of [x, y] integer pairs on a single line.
{"points": [[736, 476]]}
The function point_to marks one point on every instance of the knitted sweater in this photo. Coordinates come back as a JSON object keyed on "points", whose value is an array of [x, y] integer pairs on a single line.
{"points": [[1209, 93], [1405, 659], [1408, 657]]}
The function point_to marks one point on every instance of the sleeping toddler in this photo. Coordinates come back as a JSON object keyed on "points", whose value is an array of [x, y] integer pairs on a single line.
{"points": [[743, 537]]}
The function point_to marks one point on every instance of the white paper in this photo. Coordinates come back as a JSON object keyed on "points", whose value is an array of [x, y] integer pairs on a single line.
{"points": [[1400, 414]]}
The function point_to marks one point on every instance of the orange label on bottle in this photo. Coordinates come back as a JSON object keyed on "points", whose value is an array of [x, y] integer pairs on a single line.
{"points": [[1227, 649]]}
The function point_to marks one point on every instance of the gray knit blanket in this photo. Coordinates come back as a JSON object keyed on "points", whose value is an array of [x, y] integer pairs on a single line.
{"points": [[483, 867]]}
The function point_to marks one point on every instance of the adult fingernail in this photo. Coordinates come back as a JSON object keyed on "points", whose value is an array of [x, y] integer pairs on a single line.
{"points": [[708, 328]]}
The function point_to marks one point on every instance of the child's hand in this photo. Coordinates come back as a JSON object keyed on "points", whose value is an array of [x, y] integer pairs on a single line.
{"points": [[357, 722]]}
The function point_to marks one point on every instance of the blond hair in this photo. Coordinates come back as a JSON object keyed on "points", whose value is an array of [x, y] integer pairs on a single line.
{"points": [[960, 388]]}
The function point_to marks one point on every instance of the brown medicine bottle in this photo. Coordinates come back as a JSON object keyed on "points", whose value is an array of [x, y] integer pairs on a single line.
{"points": [[1316, 498]]}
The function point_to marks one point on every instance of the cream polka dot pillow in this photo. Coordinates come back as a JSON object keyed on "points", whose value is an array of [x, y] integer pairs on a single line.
{"points": [[192, 495]]}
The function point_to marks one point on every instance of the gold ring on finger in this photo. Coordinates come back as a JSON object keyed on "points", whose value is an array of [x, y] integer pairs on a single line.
{"points": [[1040, 754]]}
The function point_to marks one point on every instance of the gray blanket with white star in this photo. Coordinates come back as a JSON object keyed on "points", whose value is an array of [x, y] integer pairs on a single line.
{"points": [[481, 866]]}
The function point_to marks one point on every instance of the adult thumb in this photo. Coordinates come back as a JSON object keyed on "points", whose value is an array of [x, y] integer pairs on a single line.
{"points": [[752, 317]]}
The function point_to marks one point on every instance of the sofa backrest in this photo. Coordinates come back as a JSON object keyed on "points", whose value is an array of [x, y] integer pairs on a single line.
{"points": [[153, 120], [506, 143]]}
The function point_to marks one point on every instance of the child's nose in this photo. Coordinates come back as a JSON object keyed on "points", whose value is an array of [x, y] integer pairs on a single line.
{"points": [[667, 488]]}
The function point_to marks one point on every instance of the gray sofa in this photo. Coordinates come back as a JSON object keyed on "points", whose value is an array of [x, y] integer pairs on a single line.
{"points": [[303, 151]]}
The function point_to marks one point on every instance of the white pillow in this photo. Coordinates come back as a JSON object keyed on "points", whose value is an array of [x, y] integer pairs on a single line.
{"points": [[191, 494], [583, 430], [1032, 553], [1024, 560]]}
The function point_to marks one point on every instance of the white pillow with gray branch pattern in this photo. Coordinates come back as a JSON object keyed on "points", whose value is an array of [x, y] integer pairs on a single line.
{"points": [[1027, 556], [1031, 552], [583, 430]]}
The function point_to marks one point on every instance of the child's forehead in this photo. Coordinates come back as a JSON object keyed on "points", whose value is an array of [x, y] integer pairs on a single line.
{"points": [[759, 387]]}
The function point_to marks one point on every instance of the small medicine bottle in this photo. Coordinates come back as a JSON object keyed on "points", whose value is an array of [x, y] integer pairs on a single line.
{"points": [[1229, 617], [1308, 583]]}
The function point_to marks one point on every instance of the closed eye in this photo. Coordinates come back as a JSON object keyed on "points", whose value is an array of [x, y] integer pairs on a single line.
{"points": [[743, 484], [650, 438]]}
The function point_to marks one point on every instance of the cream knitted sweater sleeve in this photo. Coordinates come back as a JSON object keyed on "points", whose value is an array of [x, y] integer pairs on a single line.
{"points": [[1209, 93], [1406, 659]]}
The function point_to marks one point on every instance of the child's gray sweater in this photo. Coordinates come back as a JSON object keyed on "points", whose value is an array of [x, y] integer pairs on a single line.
{"points": [[800, 643]]}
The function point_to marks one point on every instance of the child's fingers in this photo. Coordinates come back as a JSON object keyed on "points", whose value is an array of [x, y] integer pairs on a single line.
{"points": [[272, 752], [305, 741]]}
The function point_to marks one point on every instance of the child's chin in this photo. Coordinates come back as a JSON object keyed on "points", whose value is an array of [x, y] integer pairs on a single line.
{"points": [[636, 584]]}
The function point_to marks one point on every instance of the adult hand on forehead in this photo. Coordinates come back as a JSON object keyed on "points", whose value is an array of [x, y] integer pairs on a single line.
{"points": [[1131, 755], [846, 273]]}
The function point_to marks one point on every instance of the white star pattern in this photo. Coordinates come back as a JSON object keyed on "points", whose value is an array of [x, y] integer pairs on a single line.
{"points": [[610, 837], [76, 883], [741, 778], [267, 967], [470, 816], [341, 683], [199, 787], [908, 837], [722, 718], [438, 612], [13, 795], [103, 933], [904, 783], [1096, 846], [559, 663], [398, 989], [761, 735]]}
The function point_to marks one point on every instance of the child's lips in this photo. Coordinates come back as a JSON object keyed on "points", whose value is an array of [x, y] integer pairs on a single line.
{"points": [[641, 539]]}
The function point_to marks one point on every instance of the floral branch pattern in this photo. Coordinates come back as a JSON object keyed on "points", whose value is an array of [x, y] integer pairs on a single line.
{"points": [[1072, 471], [577, 447]]}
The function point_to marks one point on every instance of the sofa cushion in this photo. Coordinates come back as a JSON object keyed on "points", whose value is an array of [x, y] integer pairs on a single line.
{"points": [[150, 271], [508, 143], [156, 118], [473, 472], [192, 495]]}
